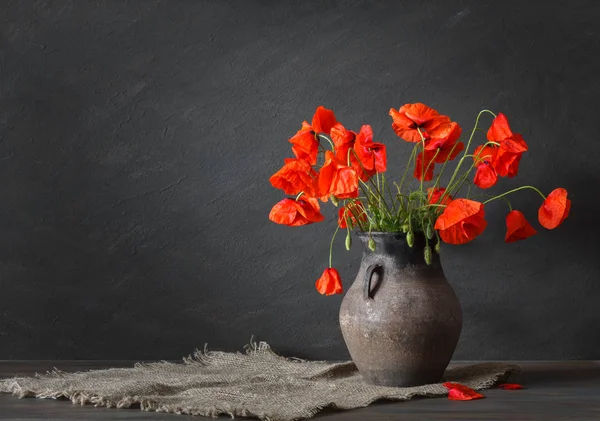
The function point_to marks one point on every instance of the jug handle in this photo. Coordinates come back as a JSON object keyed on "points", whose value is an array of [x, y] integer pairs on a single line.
{"points": [[371, 270]]}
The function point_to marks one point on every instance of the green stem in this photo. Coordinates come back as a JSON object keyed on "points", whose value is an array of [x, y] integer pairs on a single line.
{"points": [[423, 170], [331, 245], [515, 190], [351, 207], [469, 191], [327, 139], [363, 183], [410, 161], [468, 145], [437, 180], [437, 151], [386, 186], [508, 203]]}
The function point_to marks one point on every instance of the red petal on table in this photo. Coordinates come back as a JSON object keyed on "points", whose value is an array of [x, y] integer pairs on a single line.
{"points": [[510, 386], [459, 392]]}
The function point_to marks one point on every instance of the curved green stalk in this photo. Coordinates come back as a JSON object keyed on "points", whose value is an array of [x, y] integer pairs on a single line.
{"points": [[515, 190]]}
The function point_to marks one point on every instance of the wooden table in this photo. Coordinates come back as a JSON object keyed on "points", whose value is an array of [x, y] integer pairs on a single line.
{"points": [[567, 390]]}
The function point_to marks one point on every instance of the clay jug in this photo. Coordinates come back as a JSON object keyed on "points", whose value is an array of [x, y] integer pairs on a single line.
{"points": [[400, 319]]}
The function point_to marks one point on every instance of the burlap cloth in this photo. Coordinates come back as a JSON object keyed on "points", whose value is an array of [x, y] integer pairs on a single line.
{"points": [[257, 384]]}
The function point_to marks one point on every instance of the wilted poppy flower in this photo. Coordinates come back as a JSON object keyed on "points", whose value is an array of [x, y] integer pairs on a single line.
{"points": [[343, 140], [510, 386], [460, 392], [517, 227], [510, 149], [330, 282], [485, 174], [297, 175], [353, 211], [555, 209], [337, 179], [461, 221], [305, 141], [435, 194], [295, 213], [372, 155]]}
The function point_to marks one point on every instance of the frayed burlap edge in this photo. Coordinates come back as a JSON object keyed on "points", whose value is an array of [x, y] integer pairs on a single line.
{"points": [[201, 358]]}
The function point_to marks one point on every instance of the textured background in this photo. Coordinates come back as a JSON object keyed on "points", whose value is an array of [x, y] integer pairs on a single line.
{"points": [[137, 138]]}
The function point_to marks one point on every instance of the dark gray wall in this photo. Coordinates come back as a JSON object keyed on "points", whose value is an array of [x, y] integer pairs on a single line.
{"points": [[137, 138]]}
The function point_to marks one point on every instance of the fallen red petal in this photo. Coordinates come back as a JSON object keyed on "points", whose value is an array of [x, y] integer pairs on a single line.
{"points": [[510, 386], [459, 392]]}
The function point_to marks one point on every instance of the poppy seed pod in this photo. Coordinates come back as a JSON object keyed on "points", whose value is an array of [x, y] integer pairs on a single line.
{"points": [[371, 244], [429, 231], [427, 254], [410, 239]]}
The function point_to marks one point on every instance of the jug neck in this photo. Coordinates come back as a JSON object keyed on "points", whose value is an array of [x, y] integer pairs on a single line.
{"points": [[393, 246]]}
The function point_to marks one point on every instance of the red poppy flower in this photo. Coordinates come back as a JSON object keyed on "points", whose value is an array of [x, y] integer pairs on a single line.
{"points": [[414, 122], [510, 386], [297, 175], [306, 145], [343, 140], [412, 118], [510, 149], [323, 120], [305, 141], [517, 227], [461, 221], [555, 209], [337, 179], [448, 152], [500, 129], [509, 155], [424, 165], [459, 392], [444, 135], [295, 213], [354, 211], [435, 194], [485, 175], [372, 155], [330, 282]]}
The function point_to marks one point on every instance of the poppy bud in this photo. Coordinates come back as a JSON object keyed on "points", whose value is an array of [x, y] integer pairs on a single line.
{"points": [[410, 239], [427, 254], [437, 247], [348, 241], [334, 200], [404, 228], [371, 244], [429, 231]]}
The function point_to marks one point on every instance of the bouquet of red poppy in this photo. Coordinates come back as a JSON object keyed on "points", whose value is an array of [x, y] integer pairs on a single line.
{"points": [[347, 168]]}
